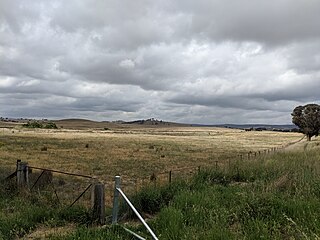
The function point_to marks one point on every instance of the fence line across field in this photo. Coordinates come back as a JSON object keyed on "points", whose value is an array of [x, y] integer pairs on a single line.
{"points": [[97, 194], [98, 188], [61, 172]]}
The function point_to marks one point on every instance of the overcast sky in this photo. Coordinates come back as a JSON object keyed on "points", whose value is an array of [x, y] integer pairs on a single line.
{"points": [[204, 61]]}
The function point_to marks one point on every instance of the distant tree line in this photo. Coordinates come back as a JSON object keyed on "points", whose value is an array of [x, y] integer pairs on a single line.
{"points": [[272, 129], [35, 124]]}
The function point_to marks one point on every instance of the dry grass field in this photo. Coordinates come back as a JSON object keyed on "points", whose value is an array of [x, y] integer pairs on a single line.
{"points": [[134, 152], [254, 197]]}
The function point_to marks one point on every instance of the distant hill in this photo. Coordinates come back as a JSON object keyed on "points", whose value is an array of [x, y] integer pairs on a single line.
{"points": [[82, 124], [74, 123]]}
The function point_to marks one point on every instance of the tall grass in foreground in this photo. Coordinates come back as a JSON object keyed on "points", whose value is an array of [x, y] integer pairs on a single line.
{"points": [[272, 197], [21, 213]]}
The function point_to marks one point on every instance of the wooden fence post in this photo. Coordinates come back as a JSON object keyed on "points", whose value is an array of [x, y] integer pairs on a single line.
{"points": [[18, 161], [170, 176], [98, 201], [22, 175]]}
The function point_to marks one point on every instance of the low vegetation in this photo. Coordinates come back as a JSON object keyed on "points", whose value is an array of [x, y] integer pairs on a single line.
{"points": [[269, 196], [35, 124], [273, 197]]}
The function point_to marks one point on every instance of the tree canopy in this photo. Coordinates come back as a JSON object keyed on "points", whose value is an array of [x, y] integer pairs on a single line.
{"points": [[307, 118]]}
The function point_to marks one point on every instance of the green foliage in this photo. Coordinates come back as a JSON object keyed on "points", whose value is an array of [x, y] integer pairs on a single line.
{"points": [[151, 200], [51, 125], [307, 118], [171, 220], [33, 124], [75, 214], [20, 215]]}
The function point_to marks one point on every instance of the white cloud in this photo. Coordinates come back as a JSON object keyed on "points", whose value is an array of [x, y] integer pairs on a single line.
{"points": [[28, 83], [127, 64]]}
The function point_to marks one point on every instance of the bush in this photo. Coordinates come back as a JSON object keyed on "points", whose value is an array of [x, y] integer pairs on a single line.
{"points": [[33, 124], [51, 125]]}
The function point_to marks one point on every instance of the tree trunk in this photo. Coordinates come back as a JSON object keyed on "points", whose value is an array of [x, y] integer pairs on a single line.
{"points": [[309, 137]]}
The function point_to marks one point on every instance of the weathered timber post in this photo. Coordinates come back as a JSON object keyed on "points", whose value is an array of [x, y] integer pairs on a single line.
{"points": [[115, 209], [22, 175], [170, 176], [216, 165], [98, 202], [18, 161]]}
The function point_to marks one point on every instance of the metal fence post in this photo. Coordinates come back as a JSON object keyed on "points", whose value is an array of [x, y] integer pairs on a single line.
{"points": [[115, 209]]}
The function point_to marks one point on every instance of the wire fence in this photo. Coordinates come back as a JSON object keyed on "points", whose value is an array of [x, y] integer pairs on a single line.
{"points": [[62, 188], [165, 177], [68, 189]]}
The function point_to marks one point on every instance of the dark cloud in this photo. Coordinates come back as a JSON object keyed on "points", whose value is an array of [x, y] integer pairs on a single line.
{"points": [[269, 22], [187, 61]]}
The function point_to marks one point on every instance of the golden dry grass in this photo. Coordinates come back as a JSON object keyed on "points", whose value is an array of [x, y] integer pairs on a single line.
{"points": [[134, 153]]}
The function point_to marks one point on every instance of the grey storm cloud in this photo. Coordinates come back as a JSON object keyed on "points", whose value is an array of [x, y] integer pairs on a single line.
{"points": [[188, 61]]}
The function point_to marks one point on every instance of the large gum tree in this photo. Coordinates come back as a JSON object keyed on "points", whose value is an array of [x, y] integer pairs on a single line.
{"points": [[307, 118]]}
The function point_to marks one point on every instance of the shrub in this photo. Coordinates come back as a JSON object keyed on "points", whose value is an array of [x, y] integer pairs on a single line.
{"points": [[51, 125], [33, 124]]}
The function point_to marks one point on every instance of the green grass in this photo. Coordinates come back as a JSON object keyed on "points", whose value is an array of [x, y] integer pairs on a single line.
{"points": [[273, 198]]}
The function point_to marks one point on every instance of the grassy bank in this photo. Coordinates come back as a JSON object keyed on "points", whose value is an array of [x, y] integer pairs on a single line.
{"points": [[38, 216], [272, 198], [275, 197]]}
